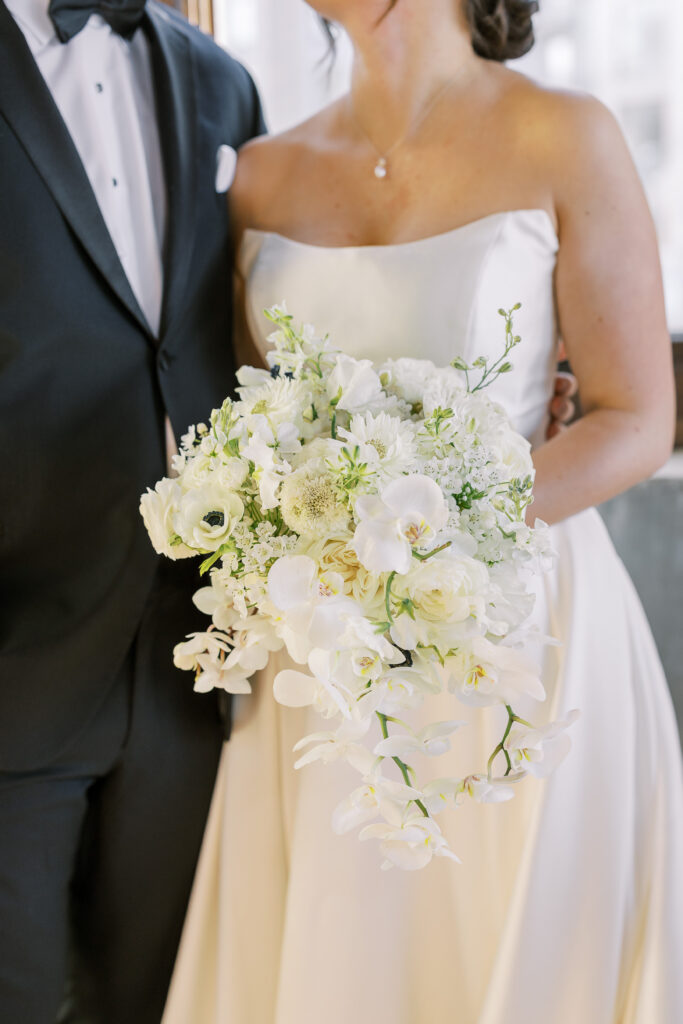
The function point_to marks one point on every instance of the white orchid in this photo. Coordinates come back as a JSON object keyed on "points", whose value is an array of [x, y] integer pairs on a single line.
{"points": [[377, 796], [433, 740], [441, 793], [295, 689], [539, 751], [482, 673], [345, 742], [410, 846], [405, 517], [314, 603]]}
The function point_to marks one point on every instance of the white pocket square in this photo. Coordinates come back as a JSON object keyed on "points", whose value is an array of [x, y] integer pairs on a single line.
{"points": [[226, 161]]}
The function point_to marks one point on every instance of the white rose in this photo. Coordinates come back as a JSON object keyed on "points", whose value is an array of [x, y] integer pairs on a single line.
{"points": [[444, 588], [407, 378], [157, 508], [207, 516], [357, 381]]}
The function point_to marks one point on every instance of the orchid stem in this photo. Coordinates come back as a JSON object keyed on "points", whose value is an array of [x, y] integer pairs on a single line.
{"points": [[401, 765]]}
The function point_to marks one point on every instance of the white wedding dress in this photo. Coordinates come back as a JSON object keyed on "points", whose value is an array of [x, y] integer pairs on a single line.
{"points": [[568, 905]]}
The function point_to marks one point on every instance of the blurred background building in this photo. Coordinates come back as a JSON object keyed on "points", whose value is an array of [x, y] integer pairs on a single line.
{"points": [[626, 52]]}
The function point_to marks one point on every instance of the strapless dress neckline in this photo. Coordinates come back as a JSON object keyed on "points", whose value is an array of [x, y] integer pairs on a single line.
{"points": [[439, 236]]}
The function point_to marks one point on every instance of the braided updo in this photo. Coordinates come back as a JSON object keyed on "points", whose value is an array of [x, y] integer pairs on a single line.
{"points": [[501, 29]]}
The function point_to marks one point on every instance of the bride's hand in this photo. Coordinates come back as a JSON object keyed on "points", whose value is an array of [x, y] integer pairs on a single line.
{"points": [[562, 407]]}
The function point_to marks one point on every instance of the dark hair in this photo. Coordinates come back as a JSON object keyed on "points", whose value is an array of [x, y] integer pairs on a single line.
{"points": [[501, 29]]}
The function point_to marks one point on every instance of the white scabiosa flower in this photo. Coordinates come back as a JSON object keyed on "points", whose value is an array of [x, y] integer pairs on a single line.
{"points": [[310, 503]]}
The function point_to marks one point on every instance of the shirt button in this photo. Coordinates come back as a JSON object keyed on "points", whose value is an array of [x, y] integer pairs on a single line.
{"points": [[115, 182], [99, 87]]}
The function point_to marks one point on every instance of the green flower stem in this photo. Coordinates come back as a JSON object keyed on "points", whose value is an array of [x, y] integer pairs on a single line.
{"points": [[501, 748], [387, 597], [430, 554], [401, 765]]}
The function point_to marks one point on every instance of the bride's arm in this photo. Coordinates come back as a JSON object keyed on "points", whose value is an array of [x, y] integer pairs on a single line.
{"points": [[612, 319]]}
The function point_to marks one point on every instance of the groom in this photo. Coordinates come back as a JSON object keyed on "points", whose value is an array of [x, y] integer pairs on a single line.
{"points": [[115, 313]]}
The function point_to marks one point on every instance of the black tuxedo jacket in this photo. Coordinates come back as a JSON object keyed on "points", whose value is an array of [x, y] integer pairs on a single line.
{"points": [[84, 385]]}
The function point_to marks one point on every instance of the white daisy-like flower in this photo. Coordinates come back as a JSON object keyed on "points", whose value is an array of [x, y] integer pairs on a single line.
{"points": [[280, 400], [386, 442]]}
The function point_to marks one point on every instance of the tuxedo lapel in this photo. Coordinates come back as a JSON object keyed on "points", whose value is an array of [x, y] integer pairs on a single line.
{"points": [[178, 119], [27, 105]]}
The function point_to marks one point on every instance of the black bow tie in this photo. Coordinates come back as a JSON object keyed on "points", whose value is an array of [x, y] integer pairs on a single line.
{"points": [[70, 16]]}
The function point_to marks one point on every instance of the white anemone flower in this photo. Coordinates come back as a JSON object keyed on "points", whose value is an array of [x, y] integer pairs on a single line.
{"points": [[206, 517], [408, 514], [433, 741], [539, 751], [410, 846]]}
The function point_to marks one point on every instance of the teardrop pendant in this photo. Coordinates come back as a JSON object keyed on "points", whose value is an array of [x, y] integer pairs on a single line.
{"points": [[381, 169]]}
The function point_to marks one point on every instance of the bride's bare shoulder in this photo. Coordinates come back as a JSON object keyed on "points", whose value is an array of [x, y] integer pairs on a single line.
{"points": [[266, 164], [557, 126]]}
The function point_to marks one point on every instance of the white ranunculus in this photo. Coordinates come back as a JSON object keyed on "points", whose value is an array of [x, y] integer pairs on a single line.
{"points": [[354, 384], [206, 517], [408, 514], [157, 508]]}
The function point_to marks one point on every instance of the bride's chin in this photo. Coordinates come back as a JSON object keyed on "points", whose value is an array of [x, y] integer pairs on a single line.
{"points": [[343, 11]]}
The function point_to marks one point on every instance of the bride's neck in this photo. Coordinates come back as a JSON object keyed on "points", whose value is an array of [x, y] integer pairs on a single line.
{"points": [[403, 61]]}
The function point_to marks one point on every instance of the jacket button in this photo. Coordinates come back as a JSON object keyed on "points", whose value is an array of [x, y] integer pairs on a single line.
{"points": [[164, 362]]}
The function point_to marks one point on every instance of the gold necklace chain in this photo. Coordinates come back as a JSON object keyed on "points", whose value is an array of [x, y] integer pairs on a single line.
{"points": [[381, 168]]}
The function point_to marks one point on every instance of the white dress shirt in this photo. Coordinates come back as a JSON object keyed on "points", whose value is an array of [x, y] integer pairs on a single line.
{"points": [[102, 85]]}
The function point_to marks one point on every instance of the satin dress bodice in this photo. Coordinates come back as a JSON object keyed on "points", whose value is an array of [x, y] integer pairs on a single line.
{"points": [[434, 298]]}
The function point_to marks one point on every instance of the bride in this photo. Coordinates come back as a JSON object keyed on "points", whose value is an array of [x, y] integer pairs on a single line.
{"points": [[400, 219]]}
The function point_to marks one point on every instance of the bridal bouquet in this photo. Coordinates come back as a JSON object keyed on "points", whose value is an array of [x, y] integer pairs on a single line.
{"points": [[371, 520]]}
